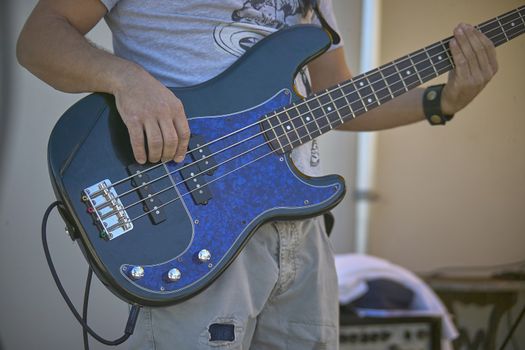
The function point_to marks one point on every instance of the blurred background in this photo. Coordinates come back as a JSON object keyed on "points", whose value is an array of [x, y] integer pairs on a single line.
{"points": [[434, 199]]}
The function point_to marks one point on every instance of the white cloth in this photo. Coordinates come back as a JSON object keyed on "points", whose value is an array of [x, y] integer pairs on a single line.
{"points": [[353, 270]]}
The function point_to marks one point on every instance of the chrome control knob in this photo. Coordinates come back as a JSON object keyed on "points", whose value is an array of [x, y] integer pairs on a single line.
{"points": [[174, 275], [137, 272], [204, 255]]}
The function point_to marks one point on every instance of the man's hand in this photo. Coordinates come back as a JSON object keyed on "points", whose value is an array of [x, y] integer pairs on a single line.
{"points": [[475, 60], [154, 117]]}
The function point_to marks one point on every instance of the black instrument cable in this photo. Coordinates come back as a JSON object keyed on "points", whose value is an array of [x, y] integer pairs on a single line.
{"points": [[85, 307], [513, 329], [133, 314]]}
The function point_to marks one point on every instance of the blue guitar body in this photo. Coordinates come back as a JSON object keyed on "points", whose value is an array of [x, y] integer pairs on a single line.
{"points": [[158, 234]]}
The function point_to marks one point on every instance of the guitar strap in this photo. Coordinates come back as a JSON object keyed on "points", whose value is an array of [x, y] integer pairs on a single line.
{"points": [[336, 39]]}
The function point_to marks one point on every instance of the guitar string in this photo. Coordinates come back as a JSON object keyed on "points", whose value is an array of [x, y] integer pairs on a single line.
{"points": [[516, 11], [327, 92], [291, 143], [351, 81], [216, 179], [374, 92], [189, 192], [170, 187], [444, 69], [305, 124]]}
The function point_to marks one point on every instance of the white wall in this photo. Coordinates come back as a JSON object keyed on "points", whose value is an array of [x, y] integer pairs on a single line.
{"points": [[453, 195]]}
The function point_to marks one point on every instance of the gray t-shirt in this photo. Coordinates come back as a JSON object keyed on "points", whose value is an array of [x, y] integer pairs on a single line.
{"points": [[183, 43]]}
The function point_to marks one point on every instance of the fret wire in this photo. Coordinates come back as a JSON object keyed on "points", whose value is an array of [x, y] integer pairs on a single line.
{"points": [[313, 128], [315, 119], [415, 68], [386, 83], [273, 129], [322, 111], [287, 128], [361, 97], [447, 53], [502, 29], [430, 59], [372, 88], [493, 29], [292, 125], [326, 114], [347, 102], [336, 108], [281, 124], [304, 124], [514, 26], [400, 76], [298, 121]]}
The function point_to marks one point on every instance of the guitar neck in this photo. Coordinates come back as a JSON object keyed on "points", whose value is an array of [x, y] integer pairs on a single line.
{"points": [[322, 112]]}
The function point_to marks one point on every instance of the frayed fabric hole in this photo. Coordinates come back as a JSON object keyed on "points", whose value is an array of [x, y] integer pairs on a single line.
{"points": [[222, 332]]}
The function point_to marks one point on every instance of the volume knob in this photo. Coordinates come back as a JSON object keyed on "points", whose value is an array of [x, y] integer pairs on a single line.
{"points": [[204, 255], [174, 275], [137, 272]]}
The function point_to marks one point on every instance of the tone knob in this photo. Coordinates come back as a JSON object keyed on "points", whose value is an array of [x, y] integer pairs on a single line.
{"points": [[174, 275], [137, 272], [204, 255]]}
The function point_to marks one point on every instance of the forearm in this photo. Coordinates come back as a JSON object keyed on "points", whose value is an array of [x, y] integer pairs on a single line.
{"points": [[56, 52], [403, 110]]}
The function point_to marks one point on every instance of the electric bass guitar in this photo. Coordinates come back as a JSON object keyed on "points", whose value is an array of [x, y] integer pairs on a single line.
{"points": [[157, 234]]}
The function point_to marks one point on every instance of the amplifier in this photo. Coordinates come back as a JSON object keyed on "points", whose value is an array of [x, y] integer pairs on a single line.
{"points": [[390, 333]]}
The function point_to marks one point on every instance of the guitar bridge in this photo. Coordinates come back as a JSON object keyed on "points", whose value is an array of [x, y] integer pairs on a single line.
{"points": [[104, 205]]}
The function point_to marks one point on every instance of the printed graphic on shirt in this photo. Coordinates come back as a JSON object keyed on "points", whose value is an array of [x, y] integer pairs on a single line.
{"points": [[236, 39], [256, 20], [269, 13]]}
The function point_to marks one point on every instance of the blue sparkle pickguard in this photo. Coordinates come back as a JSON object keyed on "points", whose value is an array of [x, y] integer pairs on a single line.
{"points": [[250, 182]]}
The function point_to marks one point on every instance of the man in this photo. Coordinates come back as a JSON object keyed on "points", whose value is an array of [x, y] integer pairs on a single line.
{"points": [[288, 299]]}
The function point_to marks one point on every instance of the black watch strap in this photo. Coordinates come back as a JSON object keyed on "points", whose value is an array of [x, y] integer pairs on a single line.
{"points": [[432, 105]]}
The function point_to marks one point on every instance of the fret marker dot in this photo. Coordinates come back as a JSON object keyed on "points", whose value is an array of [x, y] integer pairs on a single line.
{"points": [[307, 119], [369, 100], [329, 109], [361, 83], [513, 24], [408, 72], [440, 57], [288, 127]]}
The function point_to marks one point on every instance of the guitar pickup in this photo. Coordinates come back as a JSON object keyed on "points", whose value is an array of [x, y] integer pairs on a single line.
{"points": [[196, 184], [201, 155], [151, 203]]}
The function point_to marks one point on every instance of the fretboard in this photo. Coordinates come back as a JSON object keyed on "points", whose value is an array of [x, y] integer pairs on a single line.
{"points": [[298, 123]]}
